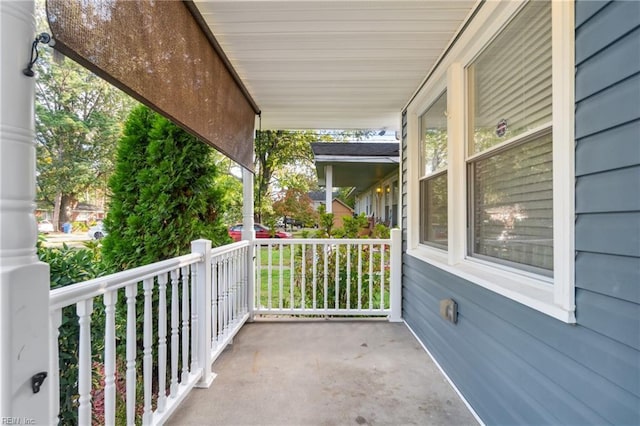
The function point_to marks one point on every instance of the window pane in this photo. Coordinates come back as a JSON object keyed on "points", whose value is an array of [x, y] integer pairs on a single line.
{"points": [[512, 204], [433, 128], [510, 82], [433, 206]]}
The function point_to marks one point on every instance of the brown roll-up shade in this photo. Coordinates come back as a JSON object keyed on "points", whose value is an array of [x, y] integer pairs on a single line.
{"points": [[157, 53]]}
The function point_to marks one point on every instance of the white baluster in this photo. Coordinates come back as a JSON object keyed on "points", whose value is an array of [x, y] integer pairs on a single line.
{"points": [[147, 357], [185, 324], [238, 286], [337, 278], [162, 342], [245, 279], [220, 300], [84, 310], [227, 295], [269, 274], [215, 278], [54, 365], [109, 299], [370, 276], [242, 282], [348, 276], [281, 278], [325, 249], [131, 291], [175, 335], [258, 278], [303, 264], [233, 283], [194, 319], [359, 276], [382, 246], [291, 269], [314, 261]]}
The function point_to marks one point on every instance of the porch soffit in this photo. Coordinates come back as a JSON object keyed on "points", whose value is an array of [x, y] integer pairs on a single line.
{"points": [[316, 64]]}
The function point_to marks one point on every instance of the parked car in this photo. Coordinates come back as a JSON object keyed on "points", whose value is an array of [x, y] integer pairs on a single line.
{"points": [[235, 232], [97, 231], [293, 222], [45, 226]]}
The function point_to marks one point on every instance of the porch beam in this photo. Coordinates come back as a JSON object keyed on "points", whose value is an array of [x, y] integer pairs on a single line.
{"points": [[24, 280]]}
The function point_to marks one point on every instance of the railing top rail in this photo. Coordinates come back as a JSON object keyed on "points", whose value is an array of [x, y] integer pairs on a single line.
{"points": [[68, 295], [356, 241], [228, 248]]}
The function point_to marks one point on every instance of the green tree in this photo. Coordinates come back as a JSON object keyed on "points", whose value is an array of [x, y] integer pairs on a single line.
{"points": [[78, 122], [276, 149], [230, 185], [296, 204], [164, 194]]}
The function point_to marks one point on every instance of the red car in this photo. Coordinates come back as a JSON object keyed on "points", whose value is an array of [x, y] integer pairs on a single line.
{"points": [[235, 232]]}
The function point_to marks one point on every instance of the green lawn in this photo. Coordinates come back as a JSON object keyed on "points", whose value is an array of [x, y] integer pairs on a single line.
{"points": [[276, 253], [275, 288]]}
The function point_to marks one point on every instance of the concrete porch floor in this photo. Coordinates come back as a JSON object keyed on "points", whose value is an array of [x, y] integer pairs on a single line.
{"points": [[325, 373]]}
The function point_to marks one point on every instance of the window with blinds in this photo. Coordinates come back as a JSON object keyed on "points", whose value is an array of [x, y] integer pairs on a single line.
{"points": [[510, 145], [510, 82], [433, 183]]}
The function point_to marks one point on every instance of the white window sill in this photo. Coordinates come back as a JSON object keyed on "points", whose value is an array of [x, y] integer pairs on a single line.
{"points": [[529, 290]]}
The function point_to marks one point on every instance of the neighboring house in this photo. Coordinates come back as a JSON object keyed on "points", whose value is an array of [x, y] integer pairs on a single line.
{"points": [[338, 208], [320, 198], [370, 168]]}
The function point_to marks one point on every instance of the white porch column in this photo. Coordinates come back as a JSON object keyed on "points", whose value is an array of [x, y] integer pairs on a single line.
{"points": [[249, 234], [24, 281], [396, 276], [328, 187]]}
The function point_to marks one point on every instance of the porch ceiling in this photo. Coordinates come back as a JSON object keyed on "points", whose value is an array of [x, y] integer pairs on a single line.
{"points": [[346, 64]]}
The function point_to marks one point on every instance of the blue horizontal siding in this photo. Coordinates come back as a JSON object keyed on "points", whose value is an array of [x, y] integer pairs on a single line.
{"points": [[610, 23], [588, 9], [612, 149], [615, 318], [608, 67], [617, 105], [614, 276], [570, 392], [612, 191], [611, 233]]}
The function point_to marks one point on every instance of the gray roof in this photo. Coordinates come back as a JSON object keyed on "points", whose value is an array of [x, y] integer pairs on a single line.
{"points": [[352, 149]]}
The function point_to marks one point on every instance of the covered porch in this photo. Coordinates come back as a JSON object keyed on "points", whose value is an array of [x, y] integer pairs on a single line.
{"points": [[325, 373], [204, 299]]}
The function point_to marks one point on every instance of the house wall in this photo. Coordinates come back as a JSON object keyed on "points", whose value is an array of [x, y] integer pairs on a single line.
{"points": [[513, 364], [383, 206], [340, 211]]}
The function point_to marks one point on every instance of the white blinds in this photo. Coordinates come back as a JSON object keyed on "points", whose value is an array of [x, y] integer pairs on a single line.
{"points": [[512, 204], [511, 79]]}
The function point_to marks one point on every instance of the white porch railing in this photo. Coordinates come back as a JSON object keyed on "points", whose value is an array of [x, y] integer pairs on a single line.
{"points": [[328, 277], [197, 302], [188, 309]]}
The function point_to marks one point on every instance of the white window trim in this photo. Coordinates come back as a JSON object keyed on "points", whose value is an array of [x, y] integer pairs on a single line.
{"points": [[552, 296]]}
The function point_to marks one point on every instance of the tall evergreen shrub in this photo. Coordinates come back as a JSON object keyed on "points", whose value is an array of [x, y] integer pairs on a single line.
{"points": [[163, 194]]}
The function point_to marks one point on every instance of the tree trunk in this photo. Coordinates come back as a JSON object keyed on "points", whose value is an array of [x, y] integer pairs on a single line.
{"points": [[67, 204], [56, 212]]}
